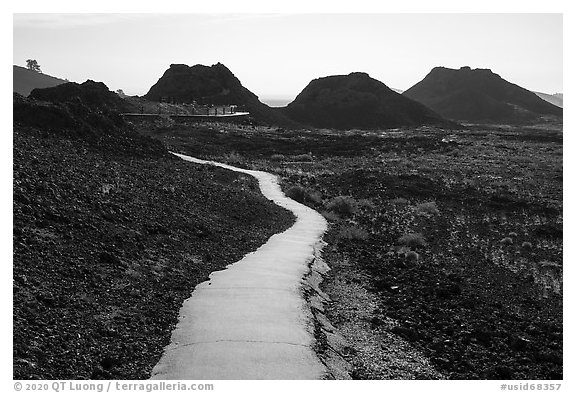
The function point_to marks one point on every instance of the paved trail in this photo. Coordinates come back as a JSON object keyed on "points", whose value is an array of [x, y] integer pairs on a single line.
{"points": [[250, 321]]}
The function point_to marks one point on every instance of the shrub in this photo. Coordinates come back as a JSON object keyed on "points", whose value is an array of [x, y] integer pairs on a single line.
{"points": [[343, 205], [303, 195], [315, 196], [330, 216], [298, 193], [277, 157], [303, 157], [550, 265], [427, 208], [399, 201], [506, 241], [366, 204], [413, 240], [164, 121], [403, 251], [527, 246], [106, 188], [352, 233], [412, 256], [233, 158]]}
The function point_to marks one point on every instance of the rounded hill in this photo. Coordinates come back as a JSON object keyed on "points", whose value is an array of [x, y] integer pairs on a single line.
{"points": [[90, 93], [25, 80], [357, 101], [478, 95], [213, 85]]}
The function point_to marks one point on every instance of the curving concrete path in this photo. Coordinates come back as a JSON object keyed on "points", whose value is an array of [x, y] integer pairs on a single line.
{"points": [[250, 321]]}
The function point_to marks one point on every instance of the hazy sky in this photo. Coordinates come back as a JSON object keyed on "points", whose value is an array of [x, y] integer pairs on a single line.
{"points": [[276, 55]]}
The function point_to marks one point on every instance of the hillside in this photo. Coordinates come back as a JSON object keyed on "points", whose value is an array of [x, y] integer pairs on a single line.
{"points": [[110, 234], [25, 80], [357, 101], [88, 112], [211, 85], [478, 95], [90, 93]]}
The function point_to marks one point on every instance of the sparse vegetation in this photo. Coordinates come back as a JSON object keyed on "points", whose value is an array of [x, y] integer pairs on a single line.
{"points": [[352, 233], [427, 208], [412, 256], [234, 158], [330, 216], [487, 183], [303, 157], [527, 246], [344, 206], [164, 121], [304, 195], [412, 240], [399, 201], [366, 204]]}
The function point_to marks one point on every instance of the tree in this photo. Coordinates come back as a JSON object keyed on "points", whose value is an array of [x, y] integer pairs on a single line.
{"points": [[33, 65]]}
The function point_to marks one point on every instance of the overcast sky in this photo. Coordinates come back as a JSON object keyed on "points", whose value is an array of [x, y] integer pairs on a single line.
{"points": [[276, 55]]}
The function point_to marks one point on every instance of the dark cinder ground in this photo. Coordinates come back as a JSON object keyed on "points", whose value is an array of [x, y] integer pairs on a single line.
{"points": [[107, 245], [447, 256]]}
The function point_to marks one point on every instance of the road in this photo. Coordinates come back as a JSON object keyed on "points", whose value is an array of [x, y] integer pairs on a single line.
{"points": [[250, 321]]}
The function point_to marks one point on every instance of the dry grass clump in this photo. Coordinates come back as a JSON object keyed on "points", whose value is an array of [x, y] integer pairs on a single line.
{"points": [[344, 206], [352, 233], [399, 201], [234, 158], [304, 195], [527, 246], [412, 240], [303, 157], [330, 216], [412, 256], [366, 204], [164, 121], [427, 208]]}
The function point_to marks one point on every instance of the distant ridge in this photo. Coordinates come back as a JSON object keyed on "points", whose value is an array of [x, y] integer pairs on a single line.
{"points": [[555, 99], [357, 101], [277, 102], [25, 80], [478, 95], [211, 85]]}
